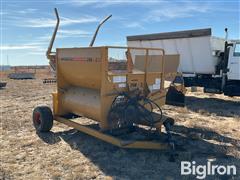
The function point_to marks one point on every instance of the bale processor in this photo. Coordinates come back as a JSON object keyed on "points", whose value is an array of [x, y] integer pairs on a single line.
{"points": [[120, 90]]}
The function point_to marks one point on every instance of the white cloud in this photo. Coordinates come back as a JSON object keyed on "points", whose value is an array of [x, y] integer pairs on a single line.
{"points": [[27, 11], [45, 39], [176, 10], [34, 45], [19, 12], [39, 45], [76, 2], [3, 13], [105, 3], [18, 47], [39, 53], [134, 25], [48, 22], [73, 33]]}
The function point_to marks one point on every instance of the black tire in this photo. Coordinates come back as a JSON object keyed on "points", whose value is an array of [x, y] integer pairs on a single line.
{"points": [[169, 121], [42, 119]]}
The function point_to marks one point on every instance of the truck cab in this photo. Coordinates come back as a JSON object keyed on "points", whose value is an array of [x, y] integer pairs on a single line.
{"points": [[234, 61]]}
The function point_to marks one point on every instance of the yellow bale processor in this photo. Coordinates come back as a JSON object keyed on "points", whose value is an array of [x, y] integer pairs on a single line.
{"points": [[117, 91]]}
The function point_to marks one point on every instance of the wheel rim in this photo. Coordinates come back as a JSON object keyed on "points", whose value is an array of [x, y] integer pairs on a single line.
{"points": [[37, 119]]}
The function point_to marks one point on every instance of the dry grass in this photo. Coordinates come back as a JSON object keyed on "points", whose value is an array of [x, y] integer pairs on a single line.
{"points": [[208, 127]]}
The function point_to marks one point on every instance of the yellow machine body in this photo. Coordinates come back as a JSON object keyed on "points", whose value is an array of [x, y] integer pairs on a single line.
{"points": [[87, 84], [112, 86]]}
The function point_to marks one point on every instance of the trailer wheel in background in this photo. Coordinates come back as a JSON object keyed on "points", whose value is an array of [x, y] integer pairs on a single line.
{"points": [[232, 90], [42, 119]]}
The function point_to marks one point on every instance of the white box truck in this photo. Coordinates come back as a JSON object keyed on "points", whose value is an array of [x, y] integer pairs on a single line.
{"points": [[205, 60]]}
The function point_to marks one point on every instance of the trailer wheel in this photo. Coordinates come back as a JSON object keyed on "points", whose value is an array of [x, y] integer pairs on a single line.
{"points": [[42, 119]]}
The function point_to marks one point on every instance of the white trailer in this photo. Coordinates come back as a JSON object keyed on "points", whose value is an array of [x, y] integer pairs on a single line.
{"points": [[205, 60]]}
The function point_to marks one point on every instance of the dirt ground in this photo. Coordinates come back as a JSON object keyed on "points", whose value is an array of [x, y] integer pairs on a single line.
{"points": [[207, 128]]}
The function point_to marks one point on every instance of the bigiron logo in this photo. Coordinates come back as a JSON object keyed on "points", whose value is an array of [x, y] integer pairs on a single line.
{"points": [[201, 171]]}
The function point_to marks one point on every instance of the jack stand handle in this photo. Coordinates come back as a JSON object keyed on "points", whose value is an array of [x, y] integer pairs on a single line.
{"points": [[168, 124]]}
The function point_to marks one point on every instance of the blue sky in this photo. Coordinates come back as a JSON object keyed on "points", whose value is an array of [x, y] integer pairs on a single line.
{"points": [[27, 26]]}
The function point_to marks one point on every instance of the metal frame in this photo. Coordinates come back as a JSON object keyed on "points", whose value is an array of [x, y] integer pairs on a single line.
{"points": [[107, 95], [111, 139], [146, 61]]}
